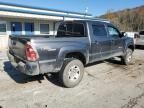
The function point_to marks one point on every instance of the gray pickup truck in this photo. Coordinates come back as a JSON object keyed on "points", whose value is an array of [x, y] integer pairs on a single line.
{"points": [[76, 44]]}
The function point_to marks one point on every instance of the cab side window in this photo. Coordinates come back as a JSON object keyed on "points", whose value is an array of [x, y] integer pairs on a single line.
{"points": [[113, 32]]}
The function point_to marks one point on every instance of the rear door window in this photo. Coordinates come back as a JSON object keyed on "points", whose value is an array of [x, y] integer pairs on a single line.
{"points": [[99, 30]]}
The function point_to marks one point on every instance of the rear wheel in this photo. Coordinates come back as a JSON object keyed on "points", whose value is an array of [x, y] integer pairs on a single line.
{"points": [[127, 58], [71, 73]]}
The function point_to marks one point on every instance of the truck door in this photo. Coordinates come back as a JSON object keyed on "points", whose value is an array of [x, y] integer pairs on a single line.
{"points": [[101, 43], [117, 42]]}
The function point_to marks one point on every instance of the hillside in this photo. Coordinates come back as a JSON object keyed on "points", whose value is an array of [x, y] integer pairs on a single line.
{"points": [[128, 19]]}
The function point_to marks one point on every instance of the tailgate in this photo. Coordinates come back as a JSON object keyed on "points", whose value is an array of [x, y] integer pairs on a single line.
{"points": [[17, 46]]}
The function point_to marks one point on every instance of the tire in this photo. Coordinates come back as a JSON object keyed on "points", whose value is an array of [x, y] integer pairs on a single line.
{"points": [[71, 73], [127, 58]]}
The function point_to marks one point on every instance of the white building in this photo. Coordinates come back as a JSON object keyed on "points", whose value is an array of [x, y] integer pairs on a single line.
{"points": [[26, 20]]}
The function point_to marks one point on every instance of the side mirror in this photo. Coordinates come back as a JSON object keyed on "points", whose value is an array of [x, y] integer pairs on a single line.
{"points": [[123, 34]]}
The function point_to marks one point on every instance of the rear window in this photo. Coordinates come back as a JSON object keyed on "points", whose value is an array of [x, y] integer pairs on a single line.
{"points": [[71, 30], [99, 30]]}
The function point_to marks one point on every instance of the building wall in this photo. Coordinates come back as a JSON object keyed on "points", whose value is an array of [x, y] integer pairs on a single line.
{"points": [[4, 36], [36, 25], [3, 42]]}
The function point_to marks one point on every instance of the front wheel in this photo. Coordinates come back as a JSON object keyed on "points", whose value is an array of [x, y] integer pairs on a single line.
{"points": [[71, 73], [127, 58]]}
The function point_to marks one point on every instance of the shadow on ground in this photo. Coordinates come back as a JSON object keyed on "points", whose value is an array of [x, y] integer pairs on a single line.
{"points": [[21, 78], [140, 47], [112, 61]]}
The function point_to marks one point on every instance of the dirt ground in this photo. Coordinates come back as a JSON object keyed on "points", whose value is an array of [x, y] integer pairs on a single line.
{"points": [[106, 84]]}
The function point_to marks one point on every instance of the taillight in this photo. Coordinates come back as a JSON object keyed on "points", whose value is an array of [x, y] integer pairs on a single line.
{"points": [[31, 55]]}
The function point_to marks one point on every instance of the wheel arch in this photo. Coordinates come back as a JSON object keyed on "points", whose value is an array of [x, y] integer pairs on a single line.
{"points": [[78, 55], [72, 52], [131, 47]]}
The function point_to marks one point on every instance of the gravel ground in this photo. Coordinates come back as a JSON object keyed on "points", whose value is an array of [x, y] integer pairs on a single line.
{"points": [[106, 84]]}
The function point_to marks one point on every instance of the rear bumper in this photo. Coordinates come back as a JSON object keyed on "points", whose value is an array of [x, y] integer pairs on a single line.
{"points": [[28, 68]]}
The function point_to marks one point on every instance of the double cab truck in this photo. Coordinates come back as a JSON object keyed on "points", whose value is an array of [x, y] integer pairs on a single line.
{"points": [[76, 44]]}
